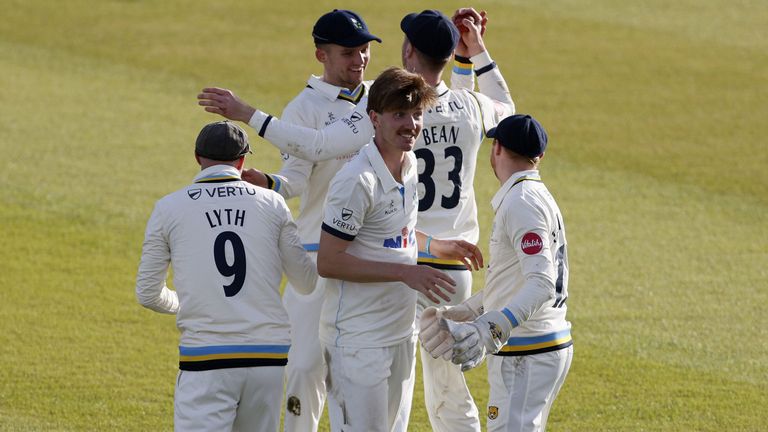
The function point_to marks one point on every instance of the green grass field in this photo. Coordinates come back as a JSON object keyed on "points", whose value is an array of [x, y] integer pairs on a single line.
{"points": [[656, 113]]}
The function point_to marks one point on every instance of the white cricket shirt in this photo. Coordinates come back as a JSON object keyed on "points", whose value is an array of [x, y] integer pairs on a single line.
{"points": [[368, 207], [229, 243], [317, 106], [527, 276]]}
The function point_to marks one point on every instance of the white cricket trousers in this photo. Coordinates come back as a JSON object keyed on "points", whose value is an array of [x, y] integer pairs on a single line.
{"points": [[235, 399], [523, 388], [447, 399], [306, 371], [371, 389]]}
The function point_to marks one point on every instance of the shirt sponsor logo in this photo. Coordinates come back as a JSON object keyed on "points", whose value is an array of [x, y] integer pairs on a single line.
{"points": [[531, 243], [343, 225], [194, 193], [346, 213], [355, 117], [391, 208], [402, 241]]}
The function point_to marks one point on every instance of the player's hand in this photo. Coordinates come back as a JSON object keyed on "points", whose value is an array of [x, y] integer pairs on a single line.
{"points": [[225, 103], [460, 250], [435, 339], [255, 177], [471, 25], [473, 340], [431, 282]]}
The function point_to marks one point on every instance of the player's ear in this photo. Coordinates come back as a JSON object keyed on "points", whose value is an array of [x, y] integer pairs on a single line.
{"points": [[374, 118], [321, 55], [240, 163], [197, 158]]}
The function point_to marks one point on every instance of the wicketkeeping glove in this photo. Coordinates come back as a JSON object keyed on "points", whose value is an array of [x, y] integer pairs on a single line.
{"points": [[435, 338], [469, 310], [473, 340]]}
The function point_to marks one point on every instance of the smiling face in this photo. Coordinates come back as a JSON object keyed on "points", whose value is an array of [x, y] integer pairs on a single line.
{"points": [[344, 67], [397, 130]]}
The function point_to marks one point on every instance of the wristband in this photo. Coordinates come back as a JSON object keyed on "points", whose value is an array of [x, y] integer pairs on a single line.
{"points": [[485, 69]]}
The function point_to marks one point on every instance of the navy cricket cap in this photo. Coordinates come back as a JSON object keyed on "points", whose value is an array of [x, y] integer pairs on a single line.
{"points": [[222, 141], [522, 134], [342, 27], [431, 32]]}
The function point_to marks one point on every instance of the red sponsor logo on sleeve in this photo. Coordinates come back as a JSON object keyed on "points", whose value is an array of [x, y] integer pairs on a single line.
{"points": [[531, 243]]}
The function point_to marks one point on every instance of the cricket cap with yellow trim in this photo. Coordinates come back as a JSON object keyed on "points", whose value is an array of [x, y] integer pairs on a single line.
{"points": [[222, 141]]}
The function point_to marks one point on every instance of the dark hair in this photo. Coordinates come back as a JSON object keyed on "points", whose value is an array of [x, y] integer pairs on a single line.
{"points": [[396, 89]]}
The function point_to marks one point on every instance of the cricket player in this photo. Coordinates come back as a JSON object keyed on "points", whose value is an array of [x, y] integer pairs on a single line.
{"points": [[229, 243], [342, 42], [368, 250], [446, 151], [525, 294]]}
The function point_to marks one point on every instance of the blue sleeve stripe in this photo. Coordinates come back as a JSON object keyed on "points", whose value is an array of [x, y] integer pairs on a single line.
{"points": [[311, 247], [510, 317], [462, 71]]}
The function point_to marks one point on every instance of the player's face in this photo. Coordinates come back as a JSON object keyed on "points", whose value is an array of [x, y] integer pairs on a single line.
{"points": [[398, 130], [345, 67]]}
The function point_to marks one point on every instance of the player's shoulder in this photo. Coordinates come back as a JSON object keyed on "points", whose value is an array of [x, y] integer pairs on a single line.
{"points": [[357, 171]]}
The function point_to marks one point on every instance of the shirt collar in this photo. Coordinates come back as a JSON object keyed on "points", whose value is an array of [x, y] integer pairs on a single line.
{"points": [[380, 168], [442, 89], [512, 181], [217, 173], [333, 92]]}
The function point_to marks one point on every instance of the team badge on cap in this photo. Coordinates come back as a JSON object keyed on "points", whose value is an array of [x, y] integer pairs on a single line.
{"points": [[531, 243]]}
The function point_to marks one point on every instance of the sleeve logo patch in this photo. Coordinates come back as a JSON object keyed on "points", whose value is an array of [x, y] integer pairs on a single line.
{"points": [[346, 213], [531, 243]]}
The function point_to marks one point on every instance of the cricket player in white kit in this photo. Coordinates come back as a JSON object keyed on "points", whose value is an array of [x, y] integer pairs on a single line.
{"points": [[342, 43], [229, 243], [368, 251], [525, 294], [447, 154]]}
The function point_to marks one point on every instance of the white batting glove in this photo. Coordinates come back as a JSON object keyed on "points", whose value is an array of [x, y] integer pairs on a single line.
{"points": [[434, 337], [469, 310], [473, 340]]}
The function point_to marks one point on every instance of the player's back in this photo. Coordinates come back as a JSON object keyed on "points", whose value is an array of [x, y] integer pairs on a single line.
{"points": [[447, 156], [223, 235]]}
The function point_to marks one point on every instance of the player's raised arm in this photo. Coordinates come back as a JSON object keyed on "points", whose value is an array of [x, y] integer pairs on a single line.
{"points": [[472, 53], [342, 137]]}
